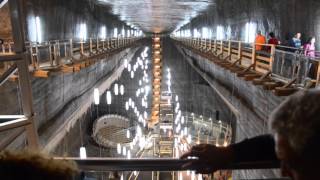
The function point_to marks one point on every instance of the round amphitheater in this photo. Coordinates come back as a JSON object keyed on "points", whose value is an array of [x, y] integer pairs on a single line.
{"points": [[110, 130]]}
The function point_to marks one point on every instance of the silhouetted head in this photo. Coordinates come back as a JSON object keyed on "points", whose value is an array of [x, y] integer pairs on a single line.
{"points": [[311, 40], [271, 34], [259, 32], [30, 165], [296, 126]]}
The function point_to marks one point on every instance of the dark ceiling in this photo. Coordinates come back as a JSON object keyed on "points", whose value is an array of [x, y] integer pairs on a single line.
{"points": [[157, 15]]}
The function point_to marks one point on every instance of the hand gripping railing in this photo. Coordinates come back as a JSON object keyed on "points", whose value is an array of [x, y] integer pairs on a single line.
{"points": [[163, 164]]}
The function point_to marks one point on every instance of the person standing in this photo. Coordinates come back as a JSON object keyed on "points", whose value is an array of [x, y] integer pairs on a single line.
{"points": [[260, 40], [310, 48], [273, 40], [296, 41]]}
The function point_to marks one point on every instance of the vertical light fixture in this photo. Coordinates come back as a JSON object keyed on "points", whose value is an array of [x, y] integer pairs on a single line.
{"points": [[38, 30], [83, 32], [121, 89], [83, 153], [103, 33], [115, 32], [116, 89], [96, 96], [118, 148], [108, 97]]}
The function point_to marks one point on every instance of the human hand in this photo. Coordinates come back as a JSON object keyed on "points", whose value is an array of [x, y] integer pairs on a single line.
{"points": [[210, 158]]}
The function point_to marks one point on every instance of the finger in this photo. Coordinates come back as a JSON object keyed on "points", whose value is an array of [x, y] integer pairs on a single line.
{"points": [[199, 147], [186, 155], [188, 165]]}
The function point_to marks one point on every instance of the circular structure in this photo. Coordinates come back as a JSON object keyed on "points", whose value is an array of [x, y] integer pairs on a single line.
{"points": [[111, 130]]}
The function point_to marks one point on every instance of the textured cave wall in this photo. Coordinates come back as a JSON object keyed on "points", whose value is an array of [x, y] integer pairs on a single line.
{"points": [[282, 17], [61, 19], [60, 95], [253, 104], [5, 23]]}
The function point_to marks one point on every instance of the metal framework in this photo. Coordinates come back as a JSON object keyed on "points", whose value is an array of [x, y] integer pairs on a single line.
{"points": [[20, 58]]}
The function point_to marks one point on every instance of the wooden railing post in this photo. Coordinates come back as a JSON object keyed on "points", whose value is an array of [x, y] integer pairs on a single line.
{"points": [[97, 48], [71, 47], [253, 59], [318, 74], [90, 45], [240, 52], [215, 46], [9, 47], [229, 48], [65, 49], [81, 48], [222, 48], [51, 56], [272, 57]]}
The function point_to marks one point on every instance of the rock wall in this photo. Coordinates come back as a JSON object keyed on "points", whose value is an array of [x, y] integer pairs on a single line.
{"points": [[5, 23], [62, 95], [282, 17], [250, 103]]}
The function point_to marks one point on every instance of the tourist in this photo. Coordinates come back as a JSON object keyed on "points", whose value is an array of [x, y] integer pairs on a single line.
{"points": [[310, 48], [295, 142], [273, 40], [296, 41], [260, 41]]}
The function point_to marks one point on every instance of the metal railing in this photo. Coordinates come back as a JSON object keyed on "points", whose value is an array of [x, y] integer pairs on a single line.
{"points": [[161, 164], [286, 64]]}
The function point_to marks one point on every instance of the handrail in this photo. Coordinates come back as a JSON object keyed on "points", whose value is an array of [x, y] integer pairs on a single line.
{"points": [[284, 65], [160, 164], [55, 53]]}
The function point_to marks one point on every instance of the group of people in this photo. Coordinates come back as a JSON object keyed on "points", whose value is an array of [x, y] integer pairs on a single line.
{"points": [[294, 42]]}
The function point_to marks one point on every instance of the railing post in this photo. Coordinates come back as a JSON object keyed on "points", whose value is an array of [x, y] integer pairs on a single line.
{"points": [[97, 48], [50, 54], [222, 48], [90, 45], [3, 48], [253, 59], [229, 48], [318, 74], [272, 57], [240, 52], [215, 46], [81, 48], [9, 47], [103, 41], [65, 49], [71, 47]]}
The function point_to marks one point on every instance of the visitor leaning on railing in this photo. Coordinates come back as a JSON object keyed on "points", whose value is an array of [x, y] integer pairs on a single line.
{"points": [[295, 142]]}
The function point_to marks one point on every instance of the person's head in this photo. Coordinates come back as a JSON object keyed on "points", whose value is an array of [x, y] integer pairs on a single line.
{"points": [[311, 40], [259, 32], [1, 41], [271, 34], [28, 165], [298, 35], [296, 126]]}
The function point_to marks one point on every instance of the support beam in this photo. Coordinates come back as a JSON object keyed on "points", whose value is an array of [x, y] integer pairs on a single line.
{"points": [[17, 19]]}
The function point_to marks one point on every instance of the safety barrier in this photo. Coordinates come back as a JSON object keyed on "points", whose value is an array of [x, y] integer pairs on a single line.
{"points": [[281, 69]]}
